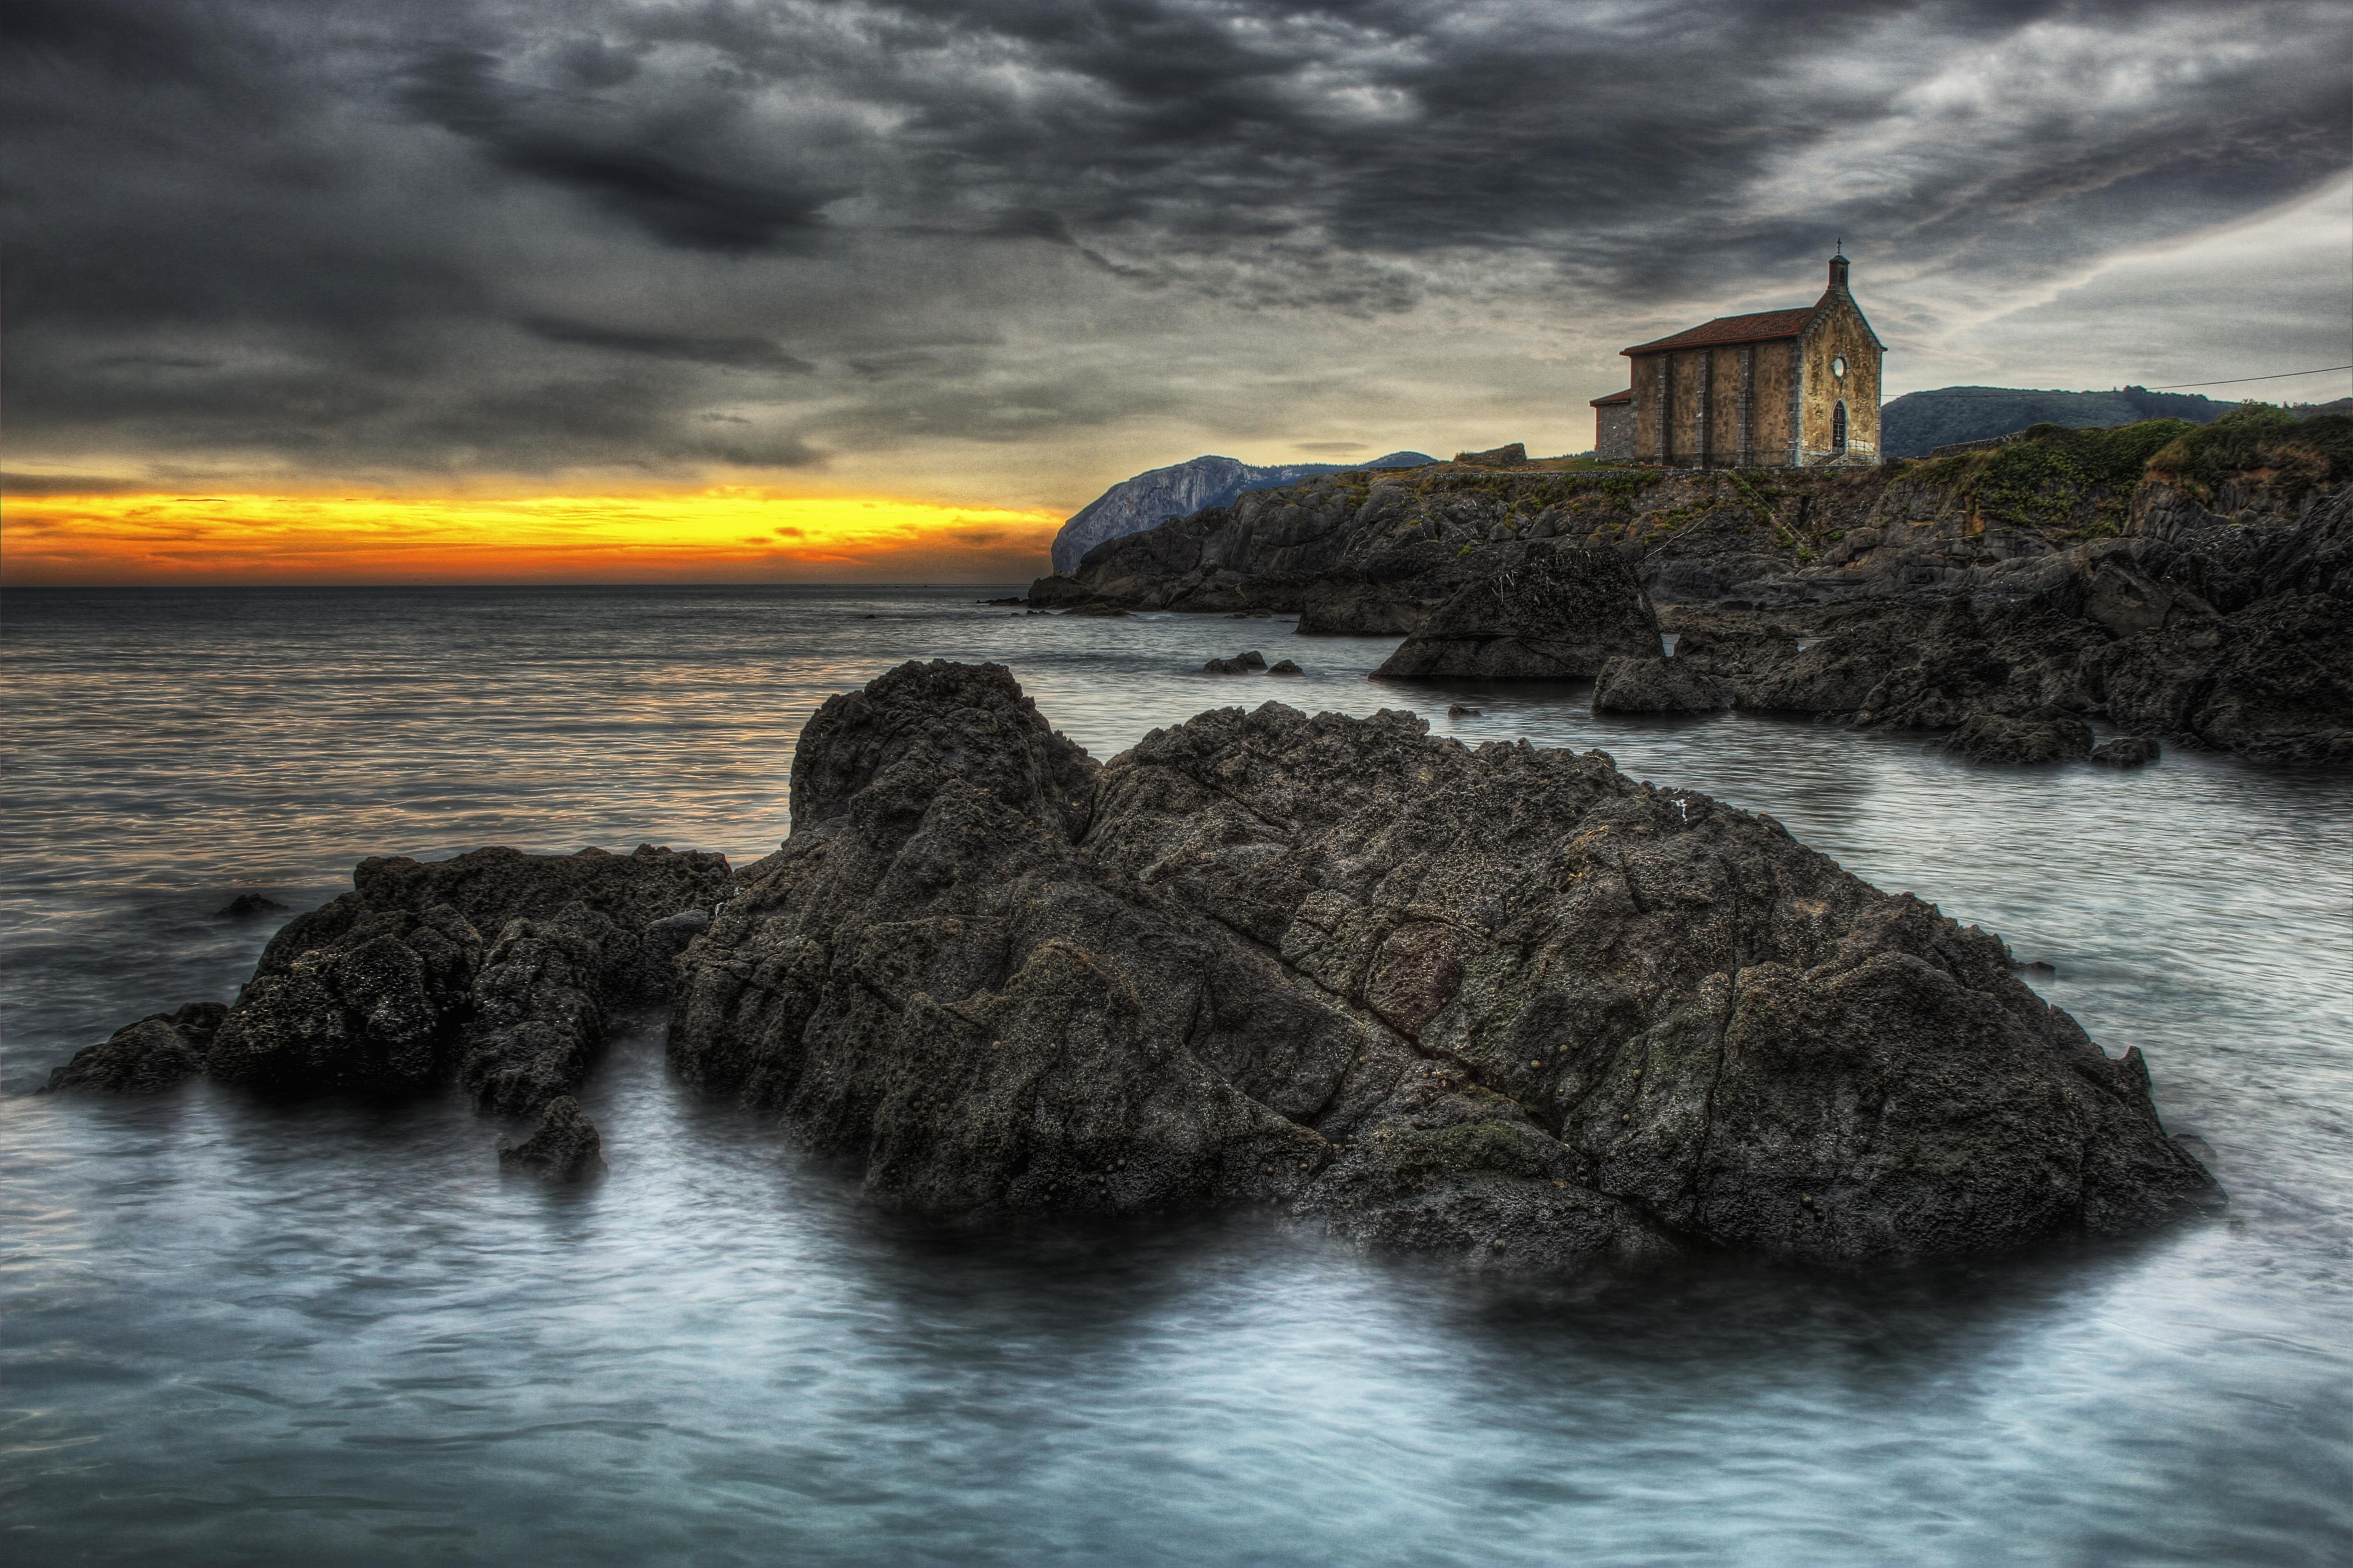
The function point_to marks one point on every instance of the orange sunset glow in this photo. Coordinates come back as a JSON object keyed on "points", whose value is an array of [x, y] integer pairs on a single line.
{"points": [[719, 534]]}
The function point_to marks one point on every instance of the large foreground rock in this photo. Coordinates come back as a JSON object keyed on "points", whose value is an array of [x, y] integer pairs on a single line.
{"points": [[1560, 615], [1505, 1002]]}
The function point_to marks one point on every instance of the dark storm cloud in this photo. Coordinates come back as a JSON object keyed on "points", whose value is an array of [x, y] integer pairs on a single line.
{"points": [[668, 194], [463, 235], [738, 354]]}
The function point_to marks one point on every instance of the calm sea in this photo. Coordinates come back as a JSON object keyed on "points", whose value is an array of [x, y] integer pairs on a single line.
{"points": [[245, 1333]]}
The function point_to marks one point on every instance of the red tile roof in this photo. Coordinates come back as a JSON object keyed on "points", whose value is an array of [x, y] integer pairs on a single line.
{"points": [[1625, 396], [1762, 327]]}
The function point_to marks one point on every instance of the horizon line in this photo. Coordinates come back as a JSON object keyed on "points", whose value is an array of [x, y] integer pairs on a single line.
{"points": [[933, 582]]}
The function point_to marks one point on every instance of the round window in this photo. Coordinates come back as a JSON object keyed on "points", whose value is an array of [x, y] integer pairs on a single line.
{"points": [[1838, 367]]}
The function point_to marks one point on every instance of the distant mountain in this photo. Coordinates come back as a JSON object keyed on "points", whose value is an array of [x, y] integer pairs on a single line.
{"points": [[1912, 424], [1151, 499]]}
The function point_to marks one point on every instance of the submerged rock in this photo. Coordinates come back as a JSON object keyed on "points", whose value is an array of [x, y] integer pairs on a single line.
{"points": [[146, 1057], [248, 906], [1560, 615], [1990, 737], [1502, 1002], [567, 1147], [1658, 686]]}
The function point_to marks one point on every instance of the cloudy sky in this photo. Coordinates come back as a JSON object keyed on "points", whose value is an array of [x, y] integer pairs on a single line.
{"points": [[706, 287]]}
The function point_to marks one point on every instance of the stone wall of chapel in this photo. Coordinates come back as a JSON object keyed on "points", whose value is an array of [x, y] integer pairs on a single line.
{"points": [[1613, 431], [1775, 387], [1646, 405], [1840, 333], [1690, 366], [1773, 403]]}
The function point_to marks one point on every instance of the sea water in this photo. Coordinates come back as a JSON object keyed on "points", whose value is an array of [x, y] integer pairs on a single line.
{"points": [[239, 1331]]}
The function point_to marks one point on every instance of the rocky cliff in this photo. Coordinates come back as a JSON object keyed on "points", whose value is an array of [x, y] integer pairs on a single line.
{"points": [[1153, 497]]}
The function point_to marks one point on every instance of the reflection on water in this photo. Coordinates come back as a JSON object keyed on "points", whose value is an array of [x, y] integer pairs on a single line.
{"points": [[245, 1332]]}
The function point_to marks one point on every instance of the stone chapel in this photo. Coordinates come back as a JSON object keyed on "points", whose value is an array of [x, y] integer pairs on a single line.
{"points": [[1794, 388]]}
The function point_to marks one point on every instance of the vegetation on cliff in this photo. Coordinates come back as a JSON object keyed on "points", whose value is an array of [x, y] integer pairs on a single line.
{"points": [[2292, 457], [2074, 483]]}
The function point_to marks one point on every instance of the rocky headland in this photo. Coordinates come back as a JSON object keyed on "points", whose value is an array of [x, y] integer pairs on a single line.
{"points": [[1502, 1002], [2192, 583], [1151, 498]]}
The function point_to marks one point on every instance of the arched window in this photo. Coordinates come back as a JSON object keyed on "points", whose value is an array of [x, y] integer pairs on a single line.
{"points": [[1838, 429]]}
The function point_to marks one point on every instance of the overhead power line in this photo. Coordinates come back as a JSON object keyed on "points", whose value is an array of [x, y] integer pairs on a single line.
{"points": [[2234, 381]]}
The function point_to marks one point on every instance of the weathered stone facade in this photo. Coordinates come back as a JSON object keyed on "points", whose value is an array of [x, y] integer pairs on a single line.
{"points": [[1797, 388], [1613, 425]]}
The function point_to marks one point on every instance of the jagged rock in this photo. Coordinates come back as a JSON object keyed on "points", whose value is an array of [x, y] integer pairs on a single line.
{"points": [[1240, 664], [1562, 613], [1990, 737], [355, 995], [391, 987], [2272, 681], [1511, 456], [567, 1147], [1348, 605], [247, 906], [2126, 752], [1284, 667], [1458, 711], [536, 1022], [1505, 1002], [145, 1058], [1657, 686]]}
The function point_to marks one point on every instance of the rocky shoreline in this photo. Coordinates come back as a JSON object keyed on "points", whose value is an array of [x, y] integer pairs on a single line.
{"points": [[1503, 1003], [2187, 584]]}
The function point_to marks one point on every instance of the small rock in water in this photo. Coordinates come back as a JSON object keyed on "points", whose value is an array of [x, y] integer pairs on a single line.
{"points": [[1241, 664], [245, 906], [1284, 667], [1457, 711], [567, 1147], [2126, 752], [1104, 610]]}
